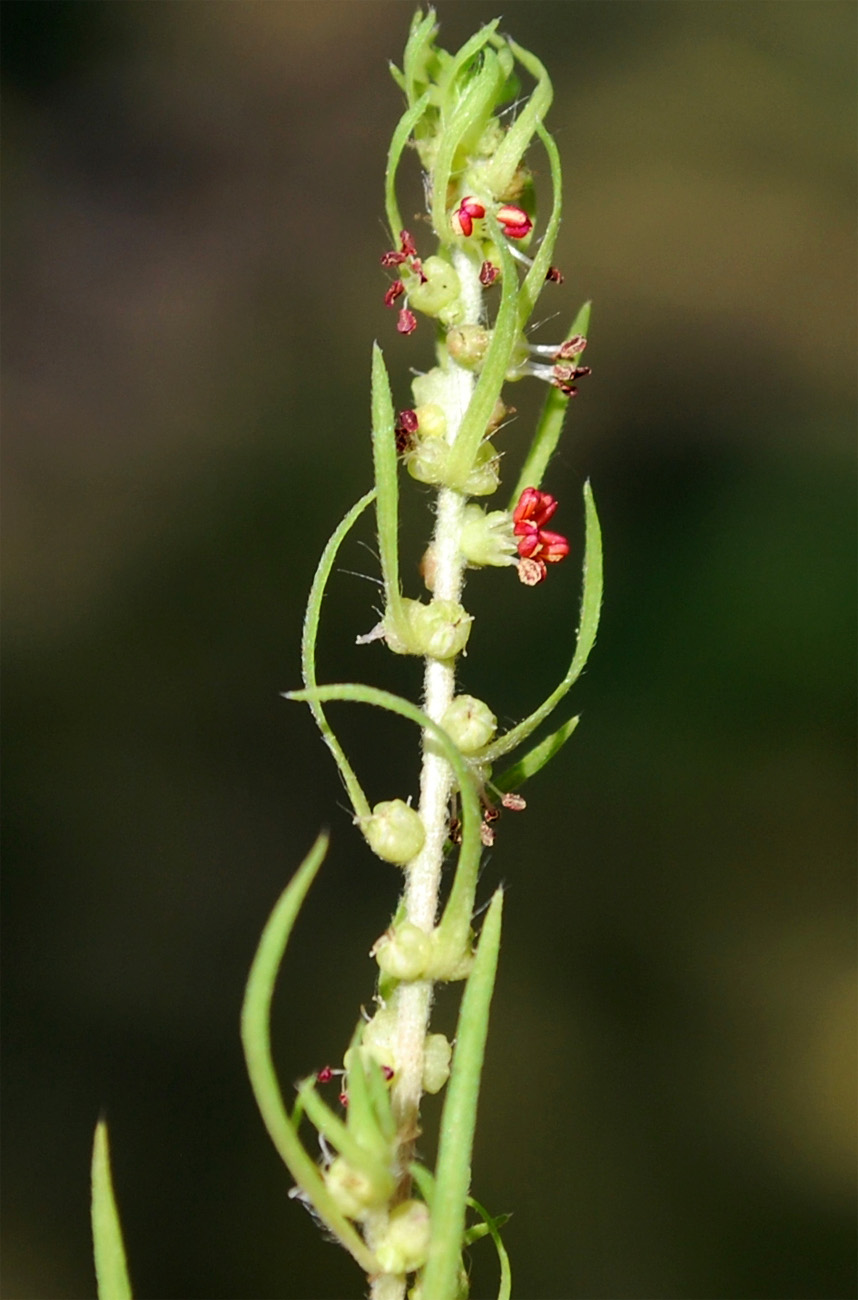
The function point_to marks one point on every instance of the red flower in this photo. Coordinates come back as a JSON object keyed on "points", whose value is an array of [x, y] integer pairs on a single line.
{"points": [[515, 221], [463, 217], [488, 273], [537, 545], [407, 322]]}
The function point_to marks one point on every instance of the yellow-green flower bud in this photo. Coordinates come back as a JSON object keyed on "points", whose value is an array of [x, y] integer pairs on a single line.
{"points": [[404, 1245], [427, 459], [379, 1036], [436, 1062], [394, 831], [484, 476], [431, 420], [469, 723], [440, 289], [403, 951], [468, 345], [487, 538], [439, 630], [354, 1191]]}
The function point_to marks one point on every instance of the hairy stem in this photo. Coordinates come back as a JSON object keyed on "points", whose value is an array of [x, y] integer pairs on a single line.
{"points": [[413, 1000]]}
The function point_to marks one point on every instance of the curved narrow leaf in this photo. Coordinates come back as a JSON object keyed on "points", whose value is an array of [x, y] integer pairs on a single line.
{"points": [[534, 282], [458, 1119], [506, 158], [255, 1038], [535, 758], [111, 1270], [386, 483], [550, 424], [401, 136], [308, 650], [591, 604], [454, 925], [492, 1227]]}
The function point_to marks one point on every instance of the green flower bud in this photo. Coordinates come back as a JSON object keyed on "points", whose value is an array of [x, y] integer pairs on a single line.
{"points": [[436, 1062], [431, 420], [468, 345], [427, 459], [394, 831], [469, 723], [439, 292], [404, 1246], [379, 1036], [431, 388], [484, 477], [439, 630], [354, 1191], [403, 951], [487, 538]]}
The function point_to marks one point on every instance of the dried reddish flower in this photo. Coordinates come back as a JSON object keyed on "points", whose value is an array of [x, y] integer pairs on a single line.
{"points": [[404, 429], [407, 322], [396, 290], [554, 275], [488, 274], [324, 1075]]}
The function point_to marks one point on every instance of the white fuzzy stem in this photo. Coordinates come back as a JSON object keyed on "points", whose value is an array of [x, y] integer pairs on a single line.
{"points": [[413, 1001]]}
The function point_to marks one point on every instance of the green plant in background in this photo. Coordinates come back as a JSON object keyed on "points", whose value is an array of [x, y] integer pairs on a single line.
{"points": [[407, 1226]]}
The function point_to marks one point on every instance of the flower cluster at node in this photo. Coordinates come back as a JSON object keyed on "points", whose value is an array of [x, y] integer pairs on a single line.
{"points": [[406, 253], [537, 546], [513, 220], [564, 373]]}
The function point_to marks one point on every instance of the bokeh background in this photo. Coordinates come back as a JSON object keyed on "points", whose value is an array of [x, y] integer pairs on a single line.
{"points": [[193, 222]]}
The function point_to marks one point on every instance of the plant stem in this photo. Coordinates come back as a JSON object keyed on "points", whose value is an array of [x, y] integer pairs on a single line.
{"points": [[413, 1000]]}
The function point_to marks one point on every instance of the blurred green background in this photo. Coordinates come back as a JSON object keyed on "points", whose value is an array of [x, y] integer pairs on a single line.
{"points": [[193, 222]]}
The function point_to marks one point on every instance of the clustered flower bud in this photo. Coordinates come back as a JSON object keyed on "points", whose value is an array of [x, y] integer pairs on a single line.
{"points": [[469, 723], [394, 831]]}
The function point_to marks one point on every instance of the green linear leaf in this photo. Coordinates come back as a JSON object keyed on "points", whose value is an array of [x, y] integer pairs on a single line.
{"points": [[534, 281], [535, 759], [475, 105], [111, 1269], [508, 156], [504, 334], [308, 650], [255, 1038], [340, 1135], [550, 424], [386, 483], [591, 603], [493, 1224], [454, 925], [420, 37], [406, 124], [458, 1119]]}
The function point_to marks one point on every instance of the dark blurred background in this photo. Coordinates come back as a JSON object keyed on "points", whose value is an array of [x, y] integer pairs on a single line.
{"points": [[193, 222]]}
